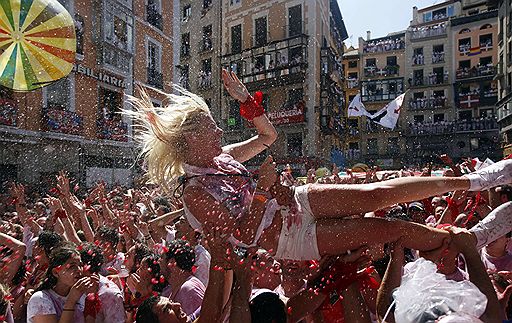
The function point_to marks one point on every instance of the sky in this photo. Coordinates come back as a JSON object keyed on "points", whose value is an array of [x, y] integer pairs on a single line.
{"points": [[381, 17]]}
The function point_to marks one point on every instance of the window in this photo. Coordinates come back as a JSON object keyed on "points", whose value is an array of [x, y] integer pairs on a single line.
{"points": [[185, 45], [381, 90], [58, 95], [437, 54], [451, 11], [260, 37], [234, 2], [187, 11], [236, 39], [418, 77], [295, 20], [155, 77], [371, 62], [418, 95], [391, 61], [110, 104], [353, 145], [154, 13], [372, 146], [465, 64], [438, 76], [154, 56], [393, 145], [486, 113], [352, 64], [427, 17], [184, 76], [484, 61], [464, 45], [486, 42], [118, 30], [207, 38], [79, 30], [419, 118], [439, 93], [294, 144], [465, 115], [207, 4], [438, 117], [352, 75], [205, 75], [439, 14]]}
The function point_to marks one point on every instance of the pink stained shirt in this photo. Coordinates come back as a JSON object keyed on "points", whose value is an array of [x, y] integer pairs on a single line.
{"points": [[190, 295]]}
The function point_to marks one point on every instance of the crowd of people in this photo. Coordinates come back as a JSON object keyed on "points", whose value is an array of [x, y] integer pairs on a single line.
{"points": [[386, 45], [205, 240], [449, 127]]}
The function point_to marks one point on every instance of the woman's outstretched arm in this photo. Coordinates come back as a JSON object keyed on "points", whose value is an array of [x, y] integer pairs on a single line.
{"points": [[267, 134]]}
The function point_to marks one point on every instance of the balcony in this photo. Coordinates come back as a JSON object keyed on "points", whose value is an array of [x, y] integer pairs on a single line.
{"points": [[478, 97], [384, 45], [451, 127], [184, 51], [418, 59], [427, 103], [437, 57], [155, 78], [438, 30], [205, 45], [57, 119], [276, 64], [204, 81], [8, 112], [431, 80], [353, 154], [352, 83], [153, 17], [112, 129], [373, 71], [476, 72]]}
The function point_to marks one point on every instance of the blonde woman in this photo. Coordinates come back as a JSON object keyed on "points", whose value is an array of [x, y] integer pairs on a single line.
{"points": [[181, 144]]}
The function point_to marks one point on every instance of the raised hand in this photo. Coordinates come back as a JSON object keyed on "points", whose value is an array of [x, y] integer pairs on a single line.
{"points": [[234, 86], [267, 174]]}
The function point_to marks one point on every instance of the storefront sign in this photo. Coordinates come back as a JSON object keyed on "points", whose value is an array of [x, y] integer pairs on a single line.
{"points": [[100, 76], [294, 114]]}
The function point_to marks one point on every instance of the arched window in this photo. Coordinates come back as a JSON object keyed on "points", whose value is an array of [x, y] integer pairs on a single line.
{"points": [[486, 26], [464, 31]]}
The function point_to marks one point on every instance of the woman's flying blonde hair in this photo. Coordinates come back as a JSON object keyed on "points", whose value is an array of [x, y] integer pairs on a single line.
{"points": [[160, 132]]}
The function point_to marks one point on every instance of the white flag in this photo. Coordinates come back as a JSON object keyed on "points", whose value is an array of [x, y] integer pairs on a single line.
{"points": [[388, 116], [357, 108]]}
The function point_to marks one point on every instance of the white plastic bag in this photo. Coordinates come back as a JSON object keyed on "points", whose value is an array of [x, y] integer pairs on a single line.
{"points": [[426, 295]]}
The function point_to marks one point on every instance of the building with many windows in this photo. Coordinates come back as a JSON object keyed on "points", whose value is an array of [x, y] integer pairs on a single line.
{"points": [[504, 72], [382, 71], [351, 67], [198, 61], [75, 123], [291, 51]]}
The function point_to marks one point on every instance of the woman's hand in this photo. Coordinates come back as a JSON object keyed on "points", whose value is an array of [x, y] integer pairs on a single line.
{"points": [[84, 285], [267, 174], [234, 86]]}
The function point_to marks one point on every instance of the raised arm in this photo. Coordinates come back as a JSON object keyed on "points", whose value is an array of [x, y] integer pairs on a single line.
{"points": [[392, 279], [267, 134]]}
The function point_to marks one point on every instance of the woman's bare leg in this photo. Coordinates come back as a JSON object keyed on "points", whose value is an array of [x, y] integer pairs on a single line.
{"points": [[336, 236], [336, 201]]}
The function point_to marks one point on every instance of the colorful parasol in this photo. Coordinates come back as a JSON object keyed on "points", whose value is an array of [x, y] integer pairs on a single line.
{"points": [[37, 43]]}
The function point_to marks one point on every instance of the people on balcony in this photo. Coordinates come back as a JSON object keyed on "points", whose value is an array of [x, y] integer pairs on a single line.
{"points": [[437, 57], [205, 79], [429, 31], [384, 45], [447, 127], [418, 59], [479, 70]]}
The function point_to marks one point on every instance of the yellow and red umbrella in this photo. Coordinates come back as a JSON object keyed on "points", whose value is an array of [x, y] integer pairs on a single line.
{"points": [[37, 43]]}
